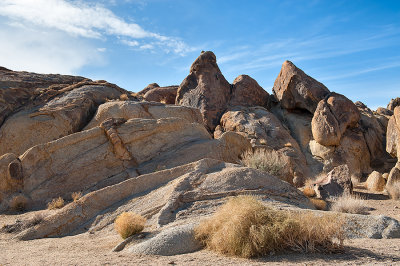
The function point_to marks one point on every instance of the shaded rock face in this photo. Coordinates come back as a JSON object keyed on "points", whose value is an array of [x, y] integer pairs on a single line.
{"points": [[247, 92], [384, 111], [296, 90], [206, 89], [165, 95], [336, 183], [332, 117], [20, 88], [264, 130], [393, 103]]}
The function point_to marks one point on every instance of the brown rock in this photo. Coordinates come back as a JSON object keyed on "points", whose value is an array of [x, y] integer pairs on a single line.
{"points": [[247, 92], [295, 89], [336, 183], [205, 88], [375, 182], [393, 134], [384, 111], [165, 95], [148, 88], [393, 103]]}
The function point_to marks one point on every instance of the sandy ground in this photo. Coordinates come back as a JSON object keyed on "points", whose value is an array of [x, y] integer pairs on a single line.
{"points": [[95, 249]]}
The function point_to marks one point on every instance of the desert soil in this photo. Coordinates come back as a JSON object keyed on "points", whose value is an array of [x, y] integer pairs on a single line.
{"points": [[95, 249]]}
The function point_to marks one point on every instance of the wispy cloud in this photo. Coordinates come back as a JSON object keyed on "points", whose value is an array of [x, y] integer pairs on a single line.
{"points": [[87, 20]]}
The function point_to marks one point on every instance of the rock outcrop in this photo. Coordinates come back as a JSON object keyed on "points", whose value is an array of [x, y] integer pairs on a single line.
{"points": [[296, 90], [336, 183], [205, 88], [165, 95], [247, 92], [393, 103]]}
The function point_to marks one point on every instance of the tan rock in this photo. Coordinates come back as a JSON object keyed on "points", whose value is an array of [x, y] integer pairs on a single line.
{"points": [[384, 111], [393, 134], [375, 182], [295, 89], [393, 103], [205, 88], [146, 89], [147, 110], [247, 92], [336, 183]]}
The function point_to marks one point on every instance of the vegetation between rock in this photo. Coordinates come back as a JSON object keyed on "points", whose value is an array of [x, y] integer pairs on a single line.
{"points": [[129, 223]]}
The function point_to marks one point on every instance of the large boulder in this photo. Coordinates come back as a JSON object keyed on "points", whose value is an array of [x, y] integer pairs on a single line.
{"points": [[264, 130], [65, 114], [146, 89], [393, 134], [332, 117], [247, 92], [165, 95], [295, 89], [205, 88], [336, 183], [146, 110], [375, 182], [114, 151], [393, 103]]}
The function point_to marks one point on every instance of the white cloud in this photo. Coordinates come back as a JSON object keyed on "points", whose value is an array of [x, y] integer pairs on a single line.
{"points": [[41, 51], [84, 20]]}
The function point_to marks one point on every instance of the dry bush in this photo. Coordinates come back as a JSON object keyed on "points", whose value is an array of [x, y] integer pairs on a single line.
{"points": [[349, 203], [76, 195], [394, 191], [129, 223], [266, 160], [245, 227], [319, 204], [56, 204], [18, 203]]}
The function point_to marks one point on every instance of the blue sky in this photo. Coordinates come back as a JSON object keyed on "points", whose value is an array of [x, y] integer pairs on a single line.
{"points": [[353, 47]]}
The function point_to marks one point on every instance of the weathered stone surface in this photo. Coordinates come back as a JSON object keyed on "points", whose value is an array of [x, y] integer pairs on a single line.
{"points": [[393, 103], [66, 114], [247, 92], [393, 134], [20, 88], [371, 226], [264, 130], [295, 89], [394, 176], [9, 183], [146, 110], [118, 150], [170, 197], [336, 183], [205, 88], [148, 88], [384, 111], [332, 117], [375, 182], [165, 95]]}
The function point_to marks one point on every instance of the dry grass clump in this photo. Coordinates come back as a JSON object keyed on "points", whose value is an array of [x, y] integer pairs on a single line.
{"points": [[57, 203], [319, 204], [124, 97], [265, 160], [76, 195], [246, 228], [18, 203], [394, 191], [129, 223], [349, 203]]}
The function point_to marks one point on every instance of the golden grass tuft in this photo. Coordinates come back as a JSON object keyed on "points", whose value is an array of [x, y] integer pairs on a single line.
{"points": [[309, 191], [76, 195], [57, 203], [129, 223], [124, 97], [319, 204], [18, 203], [244, 227], [349, 203], [394, 191], [265, 160]]}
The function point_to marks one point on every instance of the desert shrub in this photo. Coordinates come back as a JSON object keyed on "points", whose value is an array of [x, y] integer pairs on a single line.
{"points": [[18, 203], [76, 195], [124, 97], [245, 227], [349, 203], [129, 223], [57, 203], [319, 204], [266, 160], [394, 191]]}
